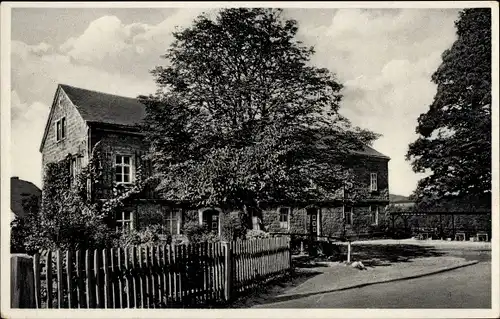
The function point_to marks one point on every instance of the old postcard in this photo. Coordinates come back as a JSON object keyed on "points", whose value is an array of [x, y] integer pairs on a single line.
{"points": [[270, 159]]}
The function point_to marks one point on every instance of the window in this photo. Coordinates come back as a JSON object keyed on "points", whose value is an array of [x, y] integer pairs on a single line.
{"points": [[123, 221], [284, 217], [172, 221], [211, 220], [60, 129], [374, 214], [348, 210], [123, 169], [373, 182], [75, 167]]}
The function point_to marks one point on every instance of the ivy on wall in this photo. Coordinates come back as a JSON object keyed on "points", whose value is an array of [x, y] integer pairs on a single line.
{"points": [[71, 217]]}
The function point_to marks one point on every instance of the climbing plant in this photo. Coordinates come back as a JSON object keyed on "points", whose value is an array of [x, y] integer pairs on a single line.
{"points": [[71, 216]]}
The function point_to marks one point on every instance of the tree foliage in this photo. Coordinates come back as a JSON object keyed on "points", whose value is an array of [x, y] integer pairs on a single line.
{"points": [[241, 116], [454, 142]]}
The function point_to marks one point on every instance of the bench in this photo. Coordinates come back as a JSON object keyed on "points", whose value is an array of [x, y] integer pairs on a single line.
{"points": [[460, 236], [482, 237]]}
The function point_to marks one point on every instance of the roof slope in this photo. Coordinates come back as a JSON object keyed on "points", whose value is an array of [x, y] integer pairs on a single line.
{"points": [[369, 151], [106, 108]]}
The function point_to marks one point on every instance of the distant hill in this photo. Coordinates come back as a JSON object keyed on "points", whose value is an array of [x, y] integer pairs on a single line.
{"points": [[397, 198]]}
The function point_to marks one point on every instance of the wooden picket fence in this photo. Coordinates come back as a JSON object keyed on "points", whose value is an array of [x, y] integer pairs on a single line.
{"points": [[193, 275]]}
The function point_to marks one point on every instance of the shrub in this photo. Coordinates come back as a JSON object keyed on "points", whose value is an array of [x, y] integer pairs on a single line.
{"points": [[233, 227], [151, 235], [254, 234], [197, 233]]}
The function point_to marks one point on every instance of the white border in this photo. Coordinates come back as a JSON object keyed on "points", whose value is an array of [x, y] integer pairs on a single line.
{"points": [[5, 130]]}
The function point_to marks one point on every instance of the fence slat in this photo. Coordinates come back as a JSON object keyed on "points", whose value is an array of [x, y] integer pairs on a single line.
{"points": [[114, 279], [89, 280], [154, 282], [128, 279], [98, 279], [182, 273], [59, 271], [135, 277], [121, 271], [206, 272], [141, 291], [49, 280], [108, 298], [161, 274], [170, 257], [36, 272], [69, 277], [80, 284], [222, 271], [166, 271]]}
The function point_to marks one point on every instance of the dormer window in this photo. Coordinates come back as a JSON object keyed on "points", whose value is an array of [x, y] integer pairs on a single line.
{"points": [[60, 127]]}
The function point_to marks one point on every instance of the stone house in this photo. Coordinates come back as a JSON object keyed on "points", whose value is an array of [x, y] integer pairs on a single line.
{"points": [[81, 120]]}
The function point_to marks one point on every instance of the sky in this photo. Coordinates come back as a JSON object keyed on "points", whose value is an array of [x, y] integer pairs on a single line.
{"points": [[384, 58]]}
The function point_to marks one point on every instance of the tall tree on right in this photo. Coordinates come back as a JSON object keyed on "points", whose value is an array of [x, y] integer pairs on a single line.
{"points": [[454, 142]]}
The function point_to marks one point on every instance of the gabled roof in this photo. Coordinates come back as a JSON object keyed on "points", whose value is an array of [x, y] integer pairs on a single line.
{"points": [[105, 108], [369, 151], [99, 107]]}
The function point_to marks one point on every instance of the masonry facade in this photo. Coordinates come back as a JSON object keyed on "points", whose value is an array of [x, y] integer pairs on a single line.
{"points": [[82, 121]]}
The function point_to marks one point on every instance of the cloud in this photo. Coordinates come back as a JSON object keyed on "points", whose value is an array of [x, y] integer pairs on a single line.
{"points": [[385, 59], [104, 37], [28, 124], [126, 48]]}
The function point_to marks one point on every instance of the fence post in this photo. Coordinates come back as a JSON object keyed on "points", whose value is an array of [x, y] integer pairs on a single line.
{"points": [[349, 251], [228, 274], [22, 282]]}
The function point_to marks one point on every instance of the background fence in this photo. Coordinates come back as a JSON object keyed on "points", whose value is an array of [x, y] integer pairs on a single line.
{"points": [[193, 275]]}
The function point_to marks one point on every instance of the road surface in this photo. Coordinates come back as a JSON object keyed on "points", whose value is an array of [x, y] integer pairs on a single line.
{"points": [[468, 287]]}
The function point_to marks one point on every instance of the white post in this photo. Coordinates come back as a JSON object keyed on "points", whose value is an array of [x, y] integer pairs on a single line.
{"points": [[349, 251]]}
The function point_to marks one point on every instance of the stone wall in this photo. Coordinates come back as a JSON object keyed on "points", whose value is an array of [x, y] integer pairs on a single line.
{"points": [[75, 141]]}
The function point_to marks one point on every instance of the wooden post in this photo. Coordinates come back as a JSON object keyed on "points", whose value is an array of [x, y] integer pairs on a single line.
{"points": [[38, 288], [301, 246], [228, 273], [22, 282], [453, 226], [348, 251]]}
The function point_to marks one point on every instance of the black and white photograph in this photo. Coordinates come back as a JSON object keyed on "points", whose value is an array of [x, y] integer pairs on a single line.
{"points": [[267, 159]]}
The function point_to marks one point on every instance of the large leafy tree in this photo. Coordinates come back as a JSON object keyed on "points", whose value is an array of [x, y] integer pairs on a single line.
{"points": [[455, 134], [241, 116]]}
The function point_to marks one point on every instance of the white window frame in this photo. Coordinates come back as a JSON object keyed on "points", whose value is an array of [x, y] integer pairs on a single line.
{"points": [[351, 213], [122, 164], [376, 212], [317, 219], [123, 221], [284, 225], [171, 215], [373, 182], [60, 129]]}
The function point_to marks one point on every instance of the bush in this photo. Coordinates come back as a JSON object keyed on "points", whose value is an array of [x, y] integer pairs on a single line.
{"points": [[197, 233], [233, 227], [151, 235], [255, 234]]}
